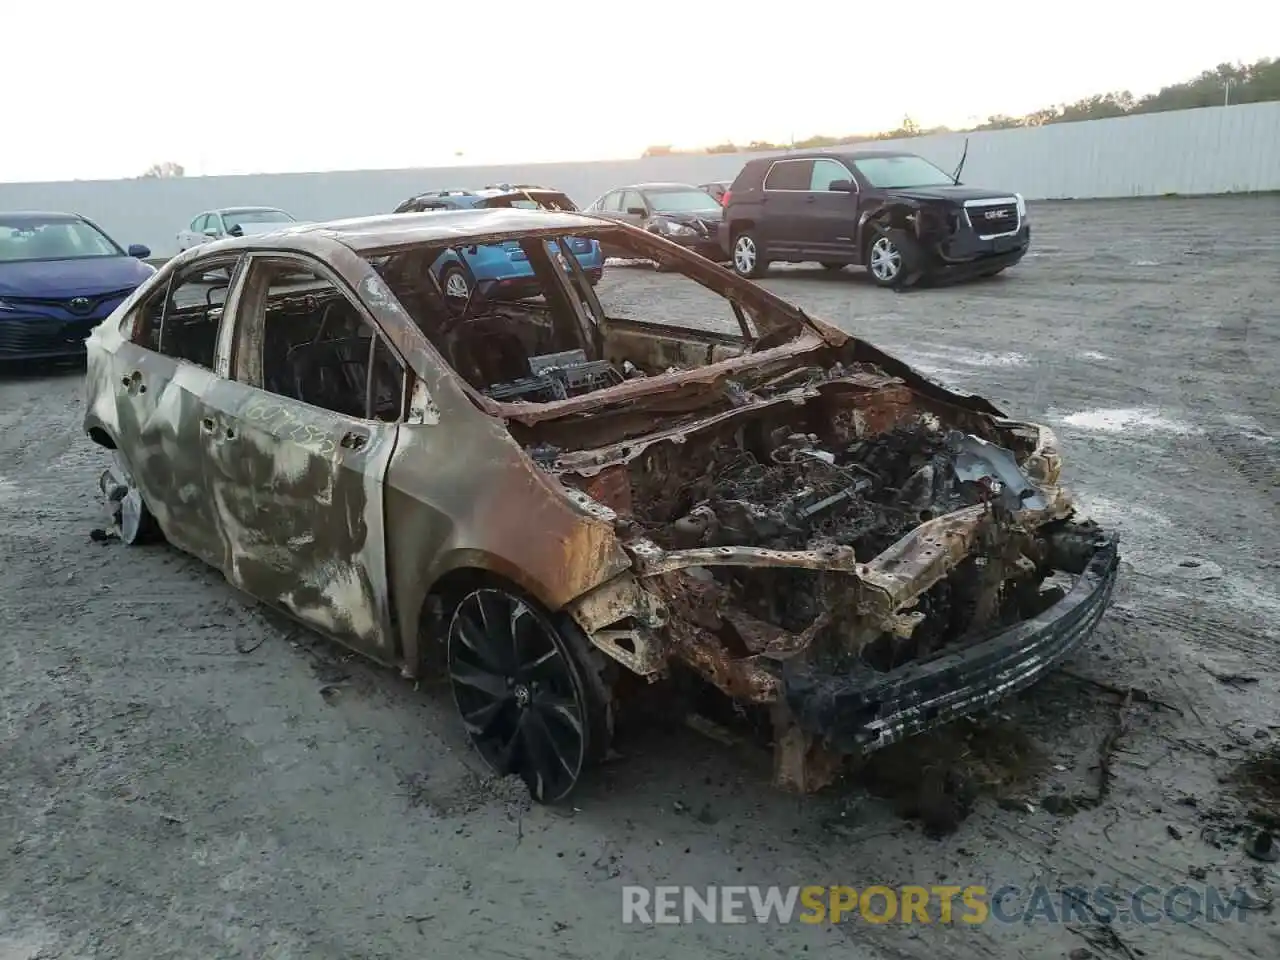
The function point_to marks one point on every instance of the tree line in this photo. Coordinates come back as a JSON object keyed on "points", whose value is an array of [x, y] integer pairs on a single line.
{"points": [[1225, 84]]}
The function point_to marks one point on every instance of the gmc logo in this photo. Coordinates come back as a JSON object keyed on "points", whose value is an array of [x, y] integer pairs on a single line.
{"points": [[996, 214]]}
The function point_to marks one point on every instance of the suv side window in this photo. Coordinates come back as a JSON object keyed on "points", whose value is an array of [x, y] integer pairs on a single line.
{"points": [[181, 319], [612, 202], [825, 171], [197, 225], [789, 175]]}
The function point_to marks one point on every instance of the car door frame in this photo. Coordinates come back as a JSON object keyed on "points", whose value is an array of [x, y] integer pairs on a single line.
{"points": [[292, 467], [603, 207], [202, 235], [160, 405], [617, 215], [831, 218], [780, 228], [191, 235], [631, 218]]}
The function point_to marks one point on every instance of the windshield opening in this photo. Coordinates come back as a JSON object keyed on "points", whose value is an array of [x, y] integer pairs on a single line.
{"points": [[893, 173], [32, 238], [537, 319], [682, 201]]}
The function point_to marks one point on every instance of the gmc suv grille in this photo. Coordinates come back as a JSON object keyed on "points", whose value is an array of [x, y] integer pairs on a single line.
{"points": [[990, 218]]}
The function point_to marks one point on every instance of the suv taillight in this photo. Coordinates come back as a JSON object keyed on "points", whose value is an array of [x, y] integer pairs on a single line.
{"points": [[724, 200]]}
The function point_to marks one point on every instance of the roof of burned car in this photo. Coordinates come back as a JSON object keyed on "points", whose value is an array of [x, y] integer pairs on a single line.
{"points": [[436, 226]]}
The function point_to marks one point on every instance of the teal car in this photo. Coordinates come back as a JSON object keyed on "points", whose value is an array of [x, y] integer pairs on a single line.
{"points": [[504, 266]]}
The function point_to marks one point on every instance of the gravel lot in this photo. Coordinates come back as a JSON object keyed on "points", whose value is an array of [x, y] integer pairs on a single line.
{"points": [[182, 776]]}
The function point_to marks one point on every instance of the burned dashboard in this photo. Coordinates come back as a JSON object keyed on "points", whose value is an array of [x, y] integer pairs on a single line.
{"points": [[557, 376]]}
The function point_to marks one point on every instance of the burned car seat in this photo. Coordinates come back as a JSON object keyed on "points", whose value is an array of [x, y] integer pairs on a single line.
{"points": [[333, 374]]}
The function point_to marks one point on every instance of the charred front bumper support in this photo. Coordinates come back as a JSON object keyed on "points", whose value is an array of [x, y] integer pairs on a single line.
{"points": [[862, 712], [831, 700], [823, 714]]}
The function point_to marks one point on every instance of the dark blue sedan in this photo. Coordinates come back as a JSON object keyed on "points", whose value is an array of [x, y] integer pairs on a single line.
{"points": [[60, 276]]}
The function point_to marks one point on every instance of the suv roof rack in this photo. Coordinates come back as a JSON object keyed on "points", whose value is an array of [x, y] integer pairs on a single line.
{"points": [[444, 193], [518, 186]]}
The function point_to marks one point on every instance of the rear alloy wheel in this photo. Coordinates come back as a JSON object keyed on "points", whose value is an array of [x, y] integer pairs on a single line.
{"points": [[455, 282], [747, 261], [526, 700]]}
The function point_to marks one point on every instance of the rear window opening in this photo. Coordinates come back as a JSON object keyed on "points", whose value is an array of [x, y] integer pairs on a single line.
{"points": [[181, 319]]}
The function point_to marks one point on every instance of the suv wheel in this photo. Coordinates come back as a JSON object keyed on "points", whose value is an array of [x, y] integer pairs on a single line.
{"points": [[747, 261], [891, 258], [454, 282]]}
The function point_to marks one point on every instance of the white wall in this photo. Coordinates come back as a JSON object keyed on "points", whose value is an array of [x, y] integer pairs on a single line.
{"points": [[1205, 151]]}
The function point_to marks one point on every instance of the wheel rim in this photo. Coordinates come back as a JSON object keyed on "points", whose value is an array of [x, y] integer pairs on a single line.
{"points": [[886, 260], [744, 254], [518, 692], [455, 285]]}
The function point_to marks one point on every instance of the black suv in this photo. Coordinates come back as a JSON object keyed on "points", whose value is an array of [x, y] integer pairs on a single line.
{"points": [[895, 213]]}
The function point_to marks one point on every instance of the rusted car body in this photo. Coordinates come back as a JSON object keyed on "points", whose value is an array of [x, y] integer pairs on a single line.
{"points": [[793, 514]]}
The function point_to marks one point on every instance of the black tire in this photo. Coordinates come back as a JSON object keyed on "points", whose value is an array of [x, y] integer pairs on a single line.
{"points": [[893, 259], [456, 273], [833, 267], [992, 273], [747, 255], [528, 687]]}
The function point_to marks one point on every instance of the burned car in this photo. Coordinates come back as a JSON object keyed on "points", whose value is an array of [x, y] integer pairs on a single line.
{"points": [[543, 497]]}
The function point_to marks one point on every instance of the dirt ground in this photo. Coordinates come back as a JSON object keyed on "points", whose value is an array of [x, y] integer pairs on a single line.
{"points": [[182, 776]]}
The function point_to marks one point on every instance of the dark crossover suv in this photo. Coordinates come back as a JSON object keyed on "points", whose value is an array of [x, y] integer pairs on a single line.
{"points": [[895, 213]]}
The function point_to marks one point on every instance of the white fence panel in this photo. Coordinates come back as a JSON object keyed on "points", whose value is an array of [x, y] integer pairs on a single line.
{"points": [[1211, 150]]}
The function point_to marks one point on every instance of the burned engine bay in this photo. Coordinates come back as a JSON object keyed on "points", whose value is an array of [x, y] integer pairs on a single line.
{"points": [[843, 518]]}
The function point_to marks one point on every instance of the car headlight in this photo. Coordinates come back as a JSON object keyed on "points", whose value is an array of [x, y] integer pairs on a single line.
{"points": [[1022, 206], [673, 229]]}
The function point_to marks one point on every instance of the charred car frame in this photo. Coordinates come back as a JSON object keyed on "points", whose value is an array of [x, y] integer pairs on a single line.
{"points": [[540, 498]]}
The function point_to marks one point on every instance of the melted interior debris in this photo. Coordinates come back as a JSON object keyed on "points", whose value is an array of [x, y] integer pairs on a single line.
{"points": [[779, 484], [806, 496]]}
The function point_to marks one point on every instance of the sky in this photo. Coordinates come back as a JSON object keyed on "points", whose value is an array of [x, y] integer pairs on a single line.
{"points": [[99, 91]]}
